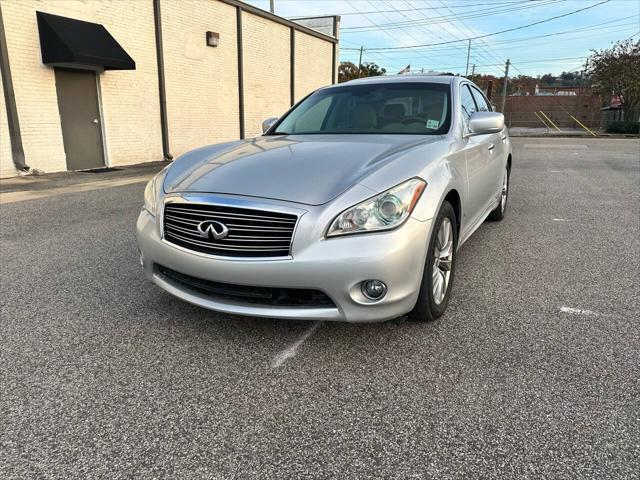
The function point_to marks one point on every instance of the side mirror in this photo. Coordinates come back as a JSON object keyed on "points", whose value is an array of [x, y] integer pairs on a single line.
{"points": [[482, 123], [268, 123]]}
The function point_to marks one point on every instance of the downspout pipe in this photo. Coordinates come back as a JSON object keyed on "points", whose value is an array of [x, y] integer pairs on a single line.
{"points": [[161, 82], [17, 150]]}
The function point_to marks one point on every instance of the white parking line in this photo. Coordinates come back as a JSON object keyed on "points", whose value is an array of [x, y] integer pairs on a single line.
{"points": [[560, 219], [555, 146], [291, 351], [577, 311]]}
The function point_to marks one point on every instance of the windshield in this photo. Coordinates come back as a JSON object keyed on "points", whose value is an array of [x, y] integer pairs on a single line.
{"points": [[400, 108]]}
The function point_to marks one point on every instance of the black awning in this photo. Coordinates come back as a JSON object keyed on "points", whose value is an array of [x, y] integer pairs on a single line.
{"points": [[66, 42]]}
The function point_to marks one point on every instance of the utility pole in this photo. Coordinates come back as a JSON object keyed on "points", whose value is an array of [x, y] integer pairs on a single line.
{"points": [[504, 86], [272, 7], [360, 62], [583, 76], [473, 70], [466, 72]]}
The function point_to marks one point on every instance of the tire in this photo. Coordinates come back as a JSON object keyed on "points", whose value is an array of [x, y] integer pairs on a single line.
{"points": [[428, 306], [497, 214]]}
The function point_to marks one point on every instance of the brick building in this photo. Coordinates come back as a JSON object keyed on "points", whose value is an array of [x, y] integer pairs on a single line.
{"points": [[91, 83]]}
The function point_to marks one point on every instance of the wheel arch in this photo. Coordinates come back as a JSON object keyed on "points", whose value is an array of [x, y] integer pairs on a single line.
{"points": [[453, 197]]}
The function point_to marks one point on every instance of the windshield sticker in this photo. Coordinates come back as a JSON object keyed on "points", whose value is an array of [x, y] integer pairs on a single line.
{"points": [[433, 124]]}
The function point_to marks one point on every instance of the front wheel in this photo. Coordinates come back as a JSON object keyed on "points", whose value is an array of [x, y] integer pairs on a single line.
{"points": [[497, 214], [439, 268]]}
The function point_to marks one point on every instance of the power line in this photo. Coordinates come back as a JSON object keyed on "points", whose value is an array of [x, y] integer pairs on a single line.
{"points": [[596, 26], [466, 5], [493, 33], [485, 12], [469, 29], [460, 48]]}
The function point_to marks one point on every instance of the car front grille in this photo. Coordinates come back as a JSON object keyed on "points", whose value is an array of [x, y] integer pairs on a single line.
{"points": [[282, 297], [251, 233]]}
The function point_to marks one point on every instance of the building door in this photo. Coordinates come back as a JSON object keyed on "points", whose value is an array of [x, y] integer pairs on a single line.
{"points": [[80, 117]]}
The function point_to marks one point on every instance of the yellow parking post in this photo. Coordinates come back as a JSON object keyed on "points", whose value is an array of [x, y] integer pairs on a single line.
{"points": [[550, 121], [543, 122], [580, 123]]}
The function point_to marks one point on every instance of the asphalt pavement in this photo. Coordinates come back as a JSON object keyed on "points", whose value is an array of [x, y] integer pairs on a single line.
{"points": [[534, 372]]}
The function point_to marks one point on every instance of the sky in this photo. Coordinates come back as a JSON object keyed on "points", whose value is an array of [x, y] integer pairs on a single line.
{"points": [[562, 44]]}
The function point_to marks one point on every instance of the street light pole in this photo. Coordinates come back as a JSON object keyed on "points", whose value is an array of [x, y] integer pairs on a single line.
{"points": [[360, 62], [272, 7]]}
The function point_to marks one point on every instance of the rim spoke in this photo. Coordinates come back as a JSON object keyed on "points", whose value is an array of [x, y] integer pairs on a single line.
{"points": [[437, 286], [446, 251], [439, 240], [447, 229], [434, 276]]}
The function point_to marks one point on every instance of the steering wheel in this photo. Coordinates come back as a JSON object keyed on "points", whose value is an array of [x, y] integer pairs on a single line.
{"points": [[409, 120]]}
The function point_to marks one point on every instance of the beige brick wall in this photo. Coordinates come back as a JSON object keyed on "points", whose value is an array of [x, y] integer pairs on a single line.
{"points": [[6, 161], [267, 78], [313, 64], [129, 98], [34, 85], [202, 82]]}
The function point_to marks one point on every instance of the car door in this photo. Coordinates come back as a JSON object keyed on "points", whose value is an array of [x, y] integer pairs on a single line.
{"points": [[479, 157], [499, 140]]}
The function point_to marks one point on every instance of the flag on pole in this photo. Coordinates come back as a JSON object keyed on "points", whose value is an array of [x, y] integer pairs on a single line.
{"points": [[406, 69]]}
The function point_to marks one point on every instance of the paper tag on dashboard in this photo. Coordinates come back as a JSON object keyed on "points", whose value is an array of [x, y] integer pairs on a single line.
{"points": [[433, 124]]}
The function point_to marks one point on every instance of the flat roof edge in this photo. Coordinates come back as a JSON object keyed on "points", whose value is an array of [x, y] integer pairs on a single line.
{"points": [[277, 19]]}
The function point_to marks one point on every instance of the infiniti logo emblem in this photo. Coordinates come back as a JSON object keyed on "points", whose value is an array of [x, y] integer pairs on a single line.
{"points": [[213, 230]]}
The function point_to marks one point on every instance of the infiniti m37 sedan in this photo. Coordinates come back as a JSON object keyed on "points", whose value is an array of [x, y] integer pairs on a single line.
{"points": [[351, 206]]}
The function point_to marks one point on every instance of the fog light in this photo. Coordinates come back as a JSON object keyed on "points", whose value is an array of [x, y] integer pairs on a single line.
{"points": [[373, 289]]}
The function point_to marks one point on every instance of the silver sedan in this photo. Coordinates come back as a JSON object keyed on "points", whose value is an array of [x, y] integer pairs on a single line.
{"points": [[350, 207]]}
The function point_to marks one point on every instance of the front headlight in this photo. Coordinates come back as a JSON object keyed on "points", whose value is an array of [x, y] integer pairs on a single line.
{"points": [[383, 212], [151, 191]]}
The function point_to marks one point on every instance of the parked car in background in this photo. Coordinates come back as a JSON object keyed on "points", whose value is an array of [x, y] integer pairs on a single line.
{"points": [[350, 207]]}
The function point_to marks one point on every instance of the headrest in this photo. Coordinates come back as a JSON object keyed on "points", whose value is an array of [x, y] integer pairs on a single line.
{"points": [[393, 110]]}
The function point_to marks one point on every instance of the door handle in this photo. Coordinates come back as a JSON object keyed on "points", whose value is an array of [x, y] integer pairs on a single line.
{"points": [[491, 146], [504, 137]]}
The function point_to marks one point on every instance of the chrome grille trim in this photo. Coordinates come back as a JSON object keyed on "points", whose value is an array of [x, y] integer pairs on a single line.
{"points": [[235, 216], [253, 232]]}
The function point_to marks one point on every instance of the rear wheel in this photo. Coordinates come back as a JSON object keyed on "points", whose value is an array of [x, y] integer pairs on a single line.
{"points": [[498, 213], [439, 268]]}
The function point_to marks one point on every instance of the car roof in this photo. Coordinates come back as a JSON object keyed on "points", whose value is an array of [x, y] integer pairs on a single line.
{"points": [[442, 79]]}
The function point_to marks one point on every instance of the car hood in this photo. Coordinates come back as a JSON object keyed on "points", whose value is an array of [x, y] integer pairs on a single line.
{"points": [[307, 169]]}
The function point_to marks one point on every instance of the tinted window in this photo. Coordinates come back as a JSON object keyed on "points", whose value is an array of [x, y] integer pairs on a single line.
{"points": [[467, 103], [401, 108], [481, 101]]}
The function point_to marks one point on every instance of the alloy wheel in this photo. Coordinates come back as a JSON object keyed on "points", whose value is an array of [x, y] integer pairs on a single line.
{"points": [[505, 187], [442, 261]]}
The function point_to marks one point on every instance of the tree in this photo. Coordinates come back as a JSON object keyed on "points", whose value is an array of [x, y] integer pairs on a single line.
{"points": [[547, 79], [614, 71], [349, 70]]}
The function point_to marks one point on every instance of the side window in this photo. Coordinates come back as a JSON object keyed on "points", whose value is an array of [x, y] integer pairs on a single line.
{"points": [[481, 101], [467, 103]]}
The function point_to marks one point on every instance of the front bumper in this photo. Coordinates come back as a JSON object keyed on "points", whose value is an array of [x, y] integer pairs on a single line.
{"points": [[335, 266]]}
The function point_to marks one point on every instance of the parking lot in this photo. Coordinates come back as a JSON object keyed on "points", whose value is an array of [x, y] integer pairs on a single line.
{"points": [[532, 373]]}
